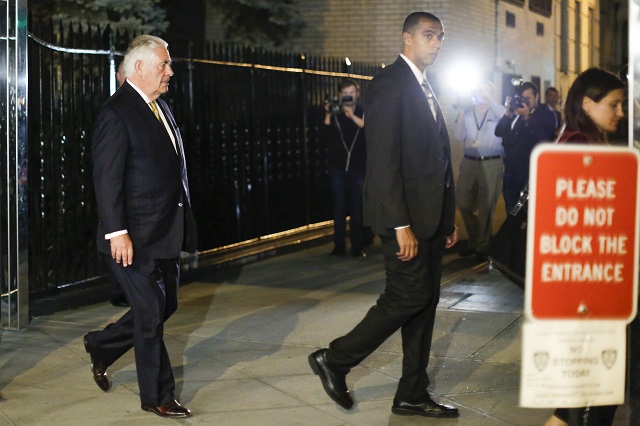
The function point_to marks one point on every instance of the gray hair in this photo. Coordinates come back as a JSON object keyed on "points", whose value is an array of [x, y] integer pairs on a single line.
{"points": [[141, 49]]}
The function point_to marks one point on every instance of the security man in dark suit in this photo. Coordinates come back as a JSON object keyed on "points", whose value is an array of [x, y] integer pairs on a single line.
{"points": [[145, 220], [409, 201]]}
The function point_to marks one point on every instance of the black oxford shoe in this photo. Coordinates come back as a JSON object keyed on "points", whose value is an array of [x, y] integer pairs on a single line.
{"points": [[98, 371], [120, 303], [337, 251], [334, 383], [428, 408], [172, 409]]}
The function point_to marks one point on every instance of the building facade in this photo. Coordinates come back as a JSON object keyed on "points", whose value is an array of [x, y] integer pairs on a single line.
{"points": [[577, 40], [548, 42]]}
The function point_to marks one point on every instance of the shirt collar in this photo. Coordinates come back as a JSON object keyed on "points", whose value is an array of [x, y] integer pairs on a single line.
{"points": [[420, 76], [140, 92]]}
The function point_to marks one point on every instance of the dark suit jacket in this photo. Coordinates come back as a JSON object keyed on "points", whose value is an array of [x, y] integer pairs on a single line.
{"points": [[409, 177], [140, 181], [525, 135]]}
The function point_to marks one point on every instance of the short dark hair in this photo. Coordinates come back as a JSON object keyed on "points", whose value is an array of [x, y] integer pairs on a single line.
{"points": [[347, 82], [529, 85], [550, 89], [595, 84], [412, 21]]}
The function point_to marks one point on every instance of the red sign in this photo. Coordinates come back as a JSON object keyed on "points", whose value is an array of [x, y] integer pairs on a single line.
{"points": [[582, 241]]}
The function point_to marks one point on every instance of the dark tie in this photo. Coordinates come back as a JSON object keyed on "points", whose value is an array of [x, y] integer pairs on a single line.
{"points": [[430, 98], [154, 108], [435, 109]]}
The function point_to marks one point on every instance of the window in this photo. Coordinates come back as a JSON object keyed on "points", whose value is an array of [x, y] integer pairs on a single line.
{"points": [[511, 20], [543, 7], [516, 2], [539, 28]]}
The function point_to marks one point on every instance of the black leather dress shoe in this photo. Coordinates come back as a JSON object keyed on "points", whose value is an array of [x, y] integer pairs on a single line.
{"points": [[358, 253], [428, 408], [337, 251], [334, 383], [98, 371], [172, 409], [481, 256], [120, 303]]}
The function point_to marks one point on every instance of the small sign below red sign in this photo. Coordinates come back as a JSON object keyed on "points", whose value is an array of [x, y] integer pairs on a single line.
{"points": [[582, 241]]}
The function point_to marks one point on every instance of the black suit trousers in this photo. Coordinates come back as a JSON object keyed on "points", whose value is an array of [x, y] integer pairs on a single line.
{"points": [[151, 287], [408, 303]]}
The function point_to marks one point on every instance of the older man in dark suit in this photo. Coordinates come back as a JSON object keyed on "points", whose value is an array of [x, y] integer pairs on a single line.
{"points": [[409, 202], [145, 220]]}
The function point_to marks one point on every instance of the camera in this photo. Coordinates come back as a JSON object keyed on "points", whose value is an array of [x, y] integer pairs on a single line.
{"points": [[518, 101], [335, 103], [464, 102]]}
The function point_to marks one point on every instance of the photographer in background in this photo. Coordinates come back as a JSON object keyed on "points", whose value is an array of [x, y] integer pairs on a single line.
{"points": [[478, 186], [521, 128], [552, 100], [343, 132]]}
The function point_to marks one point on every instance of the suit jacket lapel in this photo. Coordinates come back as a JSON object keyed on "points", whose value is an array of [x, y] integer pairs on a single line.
{"points": [[172, 125], [441, 125], [149, 117], [423, 105], [439, 117], [144, 110], [179, 147], [425, 110]]}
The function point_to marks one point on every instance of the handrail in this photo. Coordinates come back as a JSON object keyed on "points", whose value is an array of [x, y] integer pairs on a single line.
{"points": [[206, 61]]}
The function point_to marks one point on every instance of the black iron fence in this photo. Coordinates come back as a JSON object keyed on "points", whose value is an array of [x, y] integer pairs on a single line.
{"points": [[249, 119]]}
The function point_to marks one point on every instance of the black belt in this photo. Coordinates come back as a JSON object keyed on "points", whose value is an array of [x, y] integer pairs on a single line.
{"points": [[483, 157]]}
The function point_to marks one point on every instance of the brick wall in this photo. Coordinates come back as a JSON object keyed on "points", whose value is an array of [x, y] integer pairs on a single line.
{"points": [[364, 30], [476, 34], [370, 30]]}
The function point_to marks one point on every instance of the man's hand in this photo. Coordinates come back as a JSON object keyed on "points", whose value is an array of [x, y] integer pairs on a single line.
{"points": [[408, 244], [327, 114], [452, 239], [507, 106], [349, 113], [524, 110], [122, 249]]}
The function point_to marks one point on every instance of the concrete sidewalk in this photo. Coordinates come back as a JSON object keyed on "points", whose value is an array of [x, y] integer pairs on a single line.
{"points": [[239, 344]]}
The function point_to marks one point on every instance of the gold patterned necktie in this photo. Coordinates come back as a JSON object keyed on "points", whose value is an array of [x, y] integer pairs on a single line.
{"points": [[154, 108]]}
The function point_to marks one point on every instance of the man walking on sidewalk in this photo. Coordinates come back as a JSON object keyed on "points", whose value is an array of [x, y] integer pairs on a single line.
{"points": [[409, 202], [145, 220]]}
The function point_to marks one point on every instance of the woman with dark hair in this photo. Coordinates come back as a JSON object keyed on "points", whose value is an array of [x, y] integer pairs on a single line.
{"points": [[593, 109]]}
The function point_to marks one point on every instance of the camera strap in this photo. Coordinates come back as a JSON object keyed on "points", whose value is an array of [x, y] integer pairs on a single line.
{"points": [[344, 144]]}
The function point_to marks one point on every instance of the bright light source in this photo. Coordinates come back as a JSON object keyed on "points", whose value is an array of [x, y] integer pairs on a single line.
{"points": [[464, 77], [347, 61]]}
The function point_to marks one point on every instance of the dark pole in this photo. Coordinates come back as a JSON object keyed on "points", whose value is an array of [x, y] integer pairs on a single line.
{"points": [[305, 137]]}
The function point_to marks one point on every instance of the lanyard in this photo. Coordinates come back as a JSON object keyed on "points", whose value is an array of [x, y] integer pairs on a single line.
{"points": [[344, 144], [479, 126]]}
